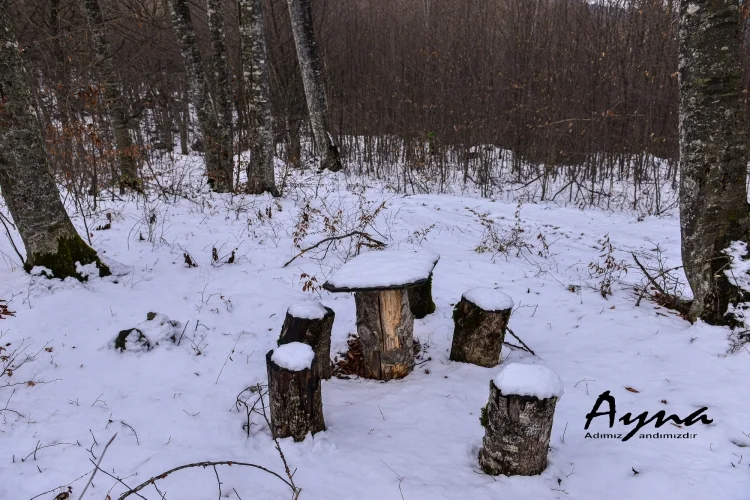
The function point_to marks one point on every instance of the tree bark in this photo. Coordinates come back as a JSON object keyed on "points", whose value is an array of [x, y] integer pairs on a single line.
{"points": [[385, 326], [222, 92], [260, 174], [314, 332], [307, 53], [127, 153], [295, 401], [478, 335], [517, 433], [713, 151], [27, 184], [219, 173], [420, 299]]}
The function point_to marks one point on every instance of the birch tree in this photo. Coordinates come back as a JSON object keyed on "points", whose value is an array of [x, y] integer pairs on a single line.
{"points": [[28, 187], [219, 172], [713, 151], [222, 89], [260, 175], [126, 151], [300, 13]]}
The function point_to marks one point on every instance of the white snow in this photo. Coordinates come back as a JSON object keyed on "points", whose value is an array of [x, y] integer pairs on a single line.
{"points": [[384, 268], [178, 401], [521, 379], [294, 356], [489, 299], [738, 271], [307, 310]]}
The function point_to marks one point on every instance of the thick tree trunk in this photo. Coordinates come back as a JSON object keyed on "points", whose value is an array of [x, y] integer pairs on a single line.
{"points": [[315, 332], [420, 299], [219, 173], [222, 92], [517, 432], [385, 326], [260, 175], [713, 151], [25, 179], [478, 335], [126, 151], [295, 401], [312, 79]]}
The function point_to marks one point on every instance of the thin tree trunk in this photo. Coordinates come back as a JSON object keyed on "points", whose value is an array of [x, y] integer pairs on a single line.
{"points": [[307, 53], [126, 152], [260, 176], [713, 151], [200, 96], [222, 90], [25, 179]]}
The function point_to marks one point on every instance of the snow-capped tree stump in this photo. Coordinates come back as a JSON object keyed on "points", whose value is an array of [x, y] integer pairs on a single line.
{"points": [[480, 319], [420, 299], [385, 326], [311, 323], [518, 420], [381, 281], [294, 395]]}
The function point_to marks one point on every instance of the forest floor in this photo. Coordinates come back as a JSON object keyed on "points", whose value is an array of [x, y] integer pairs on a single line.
{"points": [[412, 439]]}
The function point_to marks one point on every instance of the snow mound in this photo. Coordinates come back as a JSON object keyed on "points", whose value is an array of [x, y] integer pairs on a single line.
{"points": [[384, 269], [148, 334], [294, 356], [312, 309], [528, 380], [489, 299]]}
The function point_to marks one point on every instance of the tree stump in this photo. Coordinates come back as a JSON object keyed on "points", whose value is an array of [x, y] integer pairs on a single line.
{"points": [[480, 319], [311, 323], [420, 299], [518, 426], [385, 326], [295, 400]]}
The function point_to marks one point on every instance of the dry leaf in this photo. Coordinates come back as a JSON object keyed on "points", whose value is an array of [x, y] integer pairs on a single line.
{"points": [[631, 389]]}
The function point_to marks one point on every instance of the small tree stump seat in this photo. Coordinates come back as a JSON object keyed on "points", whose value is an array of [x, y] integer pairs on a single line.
{"points": [[518, 420], [480, 319]]}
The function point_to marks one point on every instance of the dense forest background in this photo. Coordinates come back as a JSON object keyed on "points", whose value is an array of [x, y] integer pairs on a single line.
{"points": [[569, 95]]}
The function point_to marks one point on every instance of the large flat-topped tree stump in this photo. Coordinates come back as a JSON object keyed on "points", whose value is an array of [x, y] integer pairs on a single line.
{"points": [[381, 282]]}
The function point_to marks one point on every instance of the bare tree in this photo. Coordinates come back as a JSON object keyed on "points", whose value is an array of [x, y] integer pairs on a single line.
{"points": [[307, 52], [25, 179], [260, 175], [713, 151], [126, 151], [218, 172], [222, 89]]}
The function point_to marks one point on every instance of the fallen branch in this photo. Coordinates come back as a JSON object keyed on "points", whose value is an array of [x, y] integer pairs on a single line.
{"points": [[96, 468], [521, 341], [335, 238], [134, 491]]}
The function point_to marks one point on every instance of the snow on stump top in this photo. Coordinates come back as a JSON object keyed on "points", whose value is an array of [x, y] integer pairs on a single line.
{"points": [[311, 309], [294, 356], [383, 270], [518, 420], [489, 299], [519, 379]]}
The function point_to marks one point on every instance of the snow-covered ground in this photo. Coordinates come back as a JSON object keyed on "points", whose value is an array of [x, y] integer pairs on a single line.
{"points": [[415, 438]]}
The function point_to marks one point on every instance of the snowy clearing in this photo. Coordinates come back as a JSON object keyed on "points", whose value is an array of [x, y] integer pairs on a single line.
{"points": [[415, 438]]}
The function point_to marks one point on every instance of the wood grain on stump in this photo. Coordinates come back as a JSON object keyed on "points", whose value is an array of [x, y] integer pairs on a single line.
{"points": [[517, 434], [420, 299], [478, 335], [385, 326], [295, 401], [314, 332]]}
